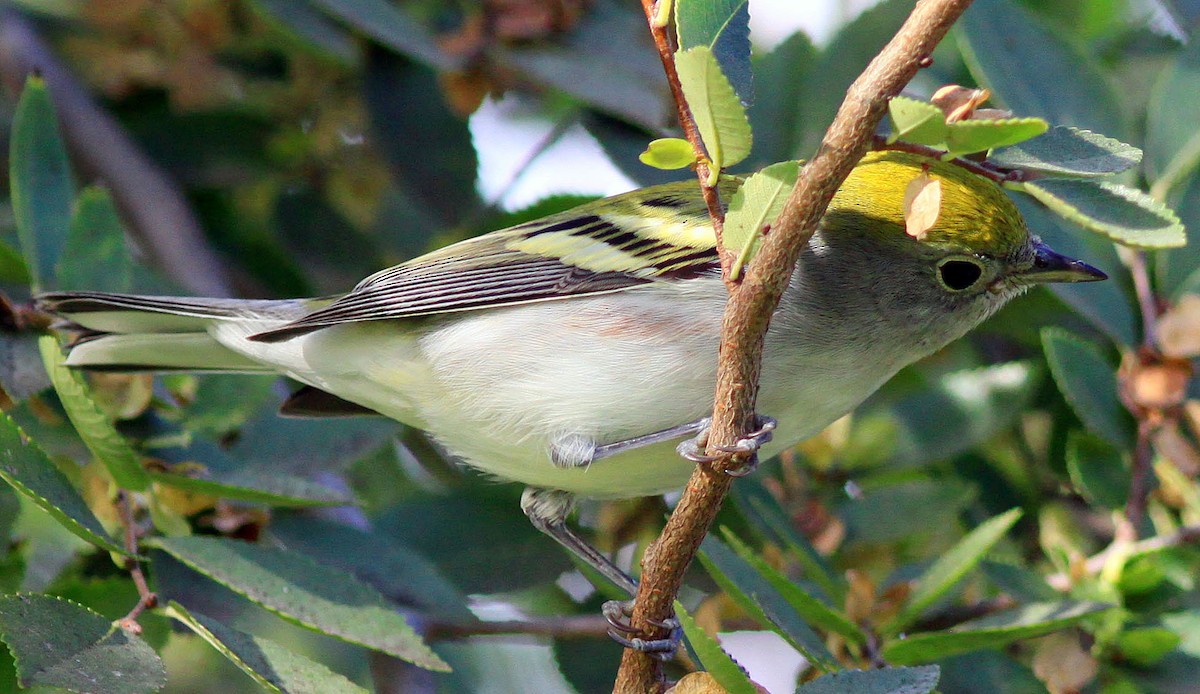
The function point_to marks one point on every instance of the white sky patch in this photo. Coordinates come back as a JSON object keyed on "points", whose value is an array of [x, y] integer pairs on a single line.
{"points": [[770, 660]]}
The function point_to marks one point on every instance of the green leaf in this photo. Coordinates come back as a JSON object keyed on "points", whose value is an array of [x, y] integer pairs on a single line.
{"points": [[311, 29], [101, 437], [402, 574], [1105, 304], [891, 680], [720, 117], [1187, 625], [13, 269], [95, 256], [40, 179], [1147, 645], [58, 643], [952, 566], [916, 121], [1098, 470], [304, 592], [1172, 135], [972, 405], [993, 631], [392, 27], [1057, 81], [1069, 152], [1125, 215], [1089, 383], [258, 487], [754, 207], [754, 593], [30, 472], [969, 136], [781, 78], [723, 26], [762, 511], [272, 666], [810, 608], [668, 153], [724, 669]]}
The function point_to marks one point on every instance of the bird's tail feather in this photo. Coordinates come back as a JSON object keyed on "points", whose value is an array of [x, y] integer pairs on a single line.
{"points": [[125, 332]]}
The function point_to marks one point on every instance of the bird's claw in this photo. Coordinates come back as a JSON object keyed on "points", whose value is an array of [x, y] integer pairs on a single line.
{"points": [[693, 449], [617, 612]]}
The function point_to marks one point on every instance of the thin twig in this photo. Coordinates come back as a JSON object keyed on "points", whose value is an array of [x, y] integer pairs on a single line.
{"points": [[146, 597], [160, 220], [1139, 480], [659, 31], [1147, 302], [574, 627], [748, 314], [979, 168], [1187, 535]]}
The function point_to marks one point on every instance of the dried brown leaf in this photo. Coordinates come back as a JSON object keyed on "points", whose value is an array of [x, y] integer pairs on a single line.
{"points": [[922, 205]]}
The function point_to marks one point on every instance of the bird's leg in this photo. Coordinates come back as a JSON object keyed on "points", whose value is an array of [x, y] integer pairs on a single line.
{"points": [[693, 449], [548, 509], [580, 451]]}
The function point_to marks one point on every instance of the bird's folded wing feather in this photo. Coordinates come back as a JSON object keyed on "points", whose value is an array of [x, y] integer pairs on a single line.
{"points": [[614, 244]]}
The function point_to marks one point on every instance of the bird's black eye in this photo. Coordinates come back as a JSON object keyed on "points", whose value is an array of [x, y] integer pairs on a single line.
{"points": [[958, 274]]}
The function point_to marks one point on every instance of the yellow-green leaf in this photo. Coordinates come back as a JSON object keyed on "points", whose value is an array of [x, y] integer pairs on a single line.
{"points": [[719, 113], [668, 153], [753, 207]]}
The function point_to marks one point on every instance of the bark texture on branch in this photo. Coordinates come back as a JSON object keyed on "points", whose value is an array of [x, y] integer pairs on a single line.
{"points": [[748, 314]]}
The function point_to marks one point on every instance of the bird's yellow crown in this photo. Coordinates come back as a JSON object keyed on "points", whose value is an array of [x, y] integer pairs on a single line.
{"points": [[974, 215]]}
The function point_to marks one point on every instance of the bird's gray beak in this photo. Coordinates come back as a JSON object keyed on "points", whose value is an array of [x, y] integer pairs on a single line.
{"points": [[1050, 266]]}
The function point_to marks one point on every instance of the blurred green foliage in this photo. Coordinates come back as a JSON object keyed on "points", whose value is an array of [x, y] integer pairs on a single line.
{"points": [[319, 140]]}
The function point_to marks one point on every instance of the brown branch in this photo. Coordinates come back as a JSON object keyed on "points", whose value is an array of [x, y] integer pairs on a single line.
{"points": [[712, 198], [748, 313], [146, 597], [160, 221], [1187, 535]]}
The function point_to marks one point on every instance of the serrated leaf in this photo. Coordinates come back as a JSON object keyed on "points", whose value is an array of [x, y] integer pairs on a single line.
{"points": [[668, 153], [968, 136], [715, 660], [916, 121], [754, 593], [1098, 470], [754, 206], [92, 425], [723, 26], [30, 471], [95, 256], [952, 566], [1146, 646], [304, 592], [762, 511], [1089, 383], [58, 643], [1057, 81], [259, 488], [400, 573], [993, 631], [272, 666], [1069, 152], [391, 26], [40, 182], [891, 680], [720, 116], [1125, 215], [810, 608]]}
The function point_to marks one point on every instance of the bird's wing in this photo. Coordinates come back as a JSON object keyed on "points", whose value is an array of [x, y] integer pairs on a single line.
{"points": [[609, 245]]}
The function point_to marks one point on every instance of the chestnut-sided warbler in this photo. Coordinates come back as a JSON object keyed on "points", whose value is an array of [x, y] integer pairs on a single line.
{"points": [[572, 353]]}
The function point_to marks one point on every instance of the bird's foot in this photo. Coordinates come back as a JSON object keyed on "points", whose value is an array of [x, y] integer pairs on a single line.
{"points": [[617, 613], [693, 449]]}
